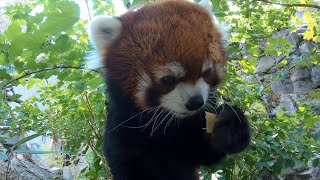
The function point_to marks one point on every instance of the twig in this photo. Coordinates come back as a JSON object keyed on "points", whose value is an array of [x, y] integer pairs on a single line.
{"points": [[102, 158], [291, 5], [8, 166], [91, 110], [88, 9], [42, 70], [4, 127], [89, 106], [92, 115], [91, 125]]}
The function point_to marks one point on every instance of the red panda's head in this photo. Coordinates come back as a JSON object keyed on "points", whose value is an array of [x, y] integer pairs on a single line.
{"points": [[169, 53]]}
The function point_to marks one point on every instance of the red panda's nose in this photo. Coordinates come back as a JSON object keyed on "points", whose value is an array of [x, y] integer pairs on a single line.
{"points": [[195, 103]]}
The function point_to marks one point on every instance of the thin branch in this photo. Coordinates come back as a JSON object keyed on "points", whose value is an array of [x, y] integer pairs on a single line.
{"points": [[42, 70], [88, 9], [96, 151], [89, 106], [291, 5], [90, 124], [87, 102], [4, 127], [8, 165]]}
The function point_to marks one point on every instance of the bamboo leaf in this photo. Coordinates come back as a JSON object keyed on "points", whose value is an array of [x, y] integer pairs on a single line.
{"points": [[26, 139]]}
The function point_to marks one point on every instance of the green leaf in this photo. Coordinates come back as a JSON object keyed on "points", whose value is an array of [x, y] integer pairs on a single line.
{"points": [[63, 20], [81, 86], [4, 75], [3, 59], [316, 162], [310, 121], [74, 76], [270, 50], [18, 65], [63, 43], [267, 164], [95, 82], [27, 41], [316, 136], [303, 63], [26, 139], [15, 97], [316, 39], [31, 82], [13, 30], [315, 94], [314, 59], [26, 54], [136, 2], [220, 14], [96, 163], [289, 163], [282, 63], [2, 38]]}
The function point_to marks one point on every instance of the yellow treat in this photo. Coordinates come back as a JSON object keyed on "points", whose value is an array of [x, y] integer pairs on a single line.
{"points": [[211, 119]]}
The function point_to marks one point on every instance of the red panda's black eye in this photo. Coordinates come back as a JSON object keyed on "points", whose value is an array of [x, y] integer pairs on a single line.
{"points": [[206, 73], [168, 80]]}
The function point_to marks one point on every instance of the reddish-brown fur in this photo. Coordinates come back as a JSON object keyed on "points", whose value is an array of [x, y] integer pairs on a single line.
{"points": [[153, 42], [160, 33]]}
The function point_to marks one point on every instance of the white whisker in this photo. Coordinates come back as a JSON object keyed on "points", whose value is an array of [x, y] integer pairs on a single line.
{"points": [[150, 121], [234, 112], [120, 124], [154, 126], [161, 122], [168, 123]]}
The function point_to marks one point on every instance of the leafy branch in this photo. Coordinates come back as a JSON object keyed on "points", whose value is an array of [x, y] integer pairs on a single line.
{"points": [[291, 5], [43, 70], [97, 152], [87, 102]]}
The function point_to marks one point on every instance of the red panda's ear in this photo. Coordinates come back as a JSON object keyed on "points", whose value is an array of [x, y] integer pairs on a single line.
{"points": [[103, 30], [206, 4]]}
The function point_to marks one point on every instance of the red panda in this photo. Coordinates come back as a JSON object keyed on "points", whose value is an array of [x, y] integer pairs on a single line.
{"points": [[163, 63]]}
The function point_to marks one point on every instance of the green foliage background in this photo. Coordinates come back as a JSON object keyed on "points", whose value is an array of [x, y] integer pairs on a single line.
{"points": [[75, 106]]}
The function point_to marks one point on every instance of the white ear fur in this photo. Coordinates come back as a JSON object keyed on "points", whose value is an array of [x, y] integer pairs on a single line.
{"points": [[206, 4], [103, 30]]}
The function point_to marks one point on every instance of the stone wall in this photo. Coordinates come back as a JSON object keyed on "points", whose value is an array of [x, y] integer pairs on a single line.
{"points": [[294, 82]]}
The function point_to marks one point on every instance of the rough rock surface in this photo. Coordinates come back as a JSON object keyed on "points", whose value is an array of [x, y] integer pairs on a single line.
{"points": [[292, 85], [20, 168], [296, 80]]}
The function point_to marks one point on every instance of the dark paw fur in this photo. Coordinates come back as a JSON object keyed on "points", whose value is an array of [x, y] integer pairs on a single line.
{"points": [[232, 132]]}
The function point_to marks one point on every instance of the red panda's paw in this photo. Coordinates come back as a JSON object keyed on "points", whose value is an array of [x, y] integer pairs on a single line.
{"points": [[231, 133]]}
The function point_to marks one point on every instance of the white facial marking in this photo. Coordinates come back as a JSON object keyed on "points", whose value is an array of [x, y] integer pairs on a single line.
{"points": [[176, 100], [219, 69], [207, 65], [177, 69], [144, 83], [172, 68]]}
